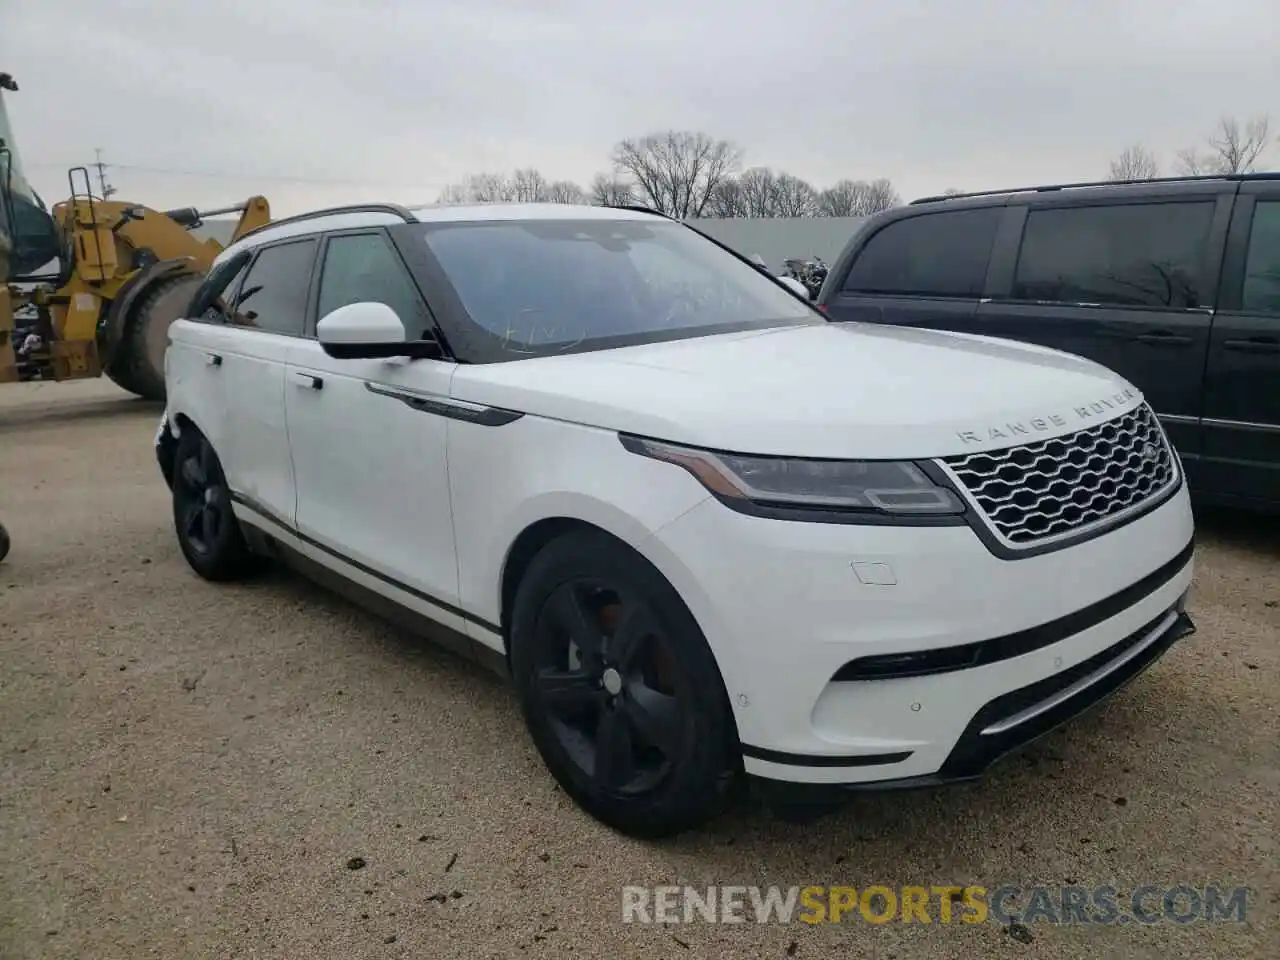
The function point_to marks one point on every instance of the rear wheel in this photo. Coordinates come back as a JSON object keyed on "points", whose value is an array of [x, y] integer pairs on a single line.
{"points": [[620, 691], [208, 532], [138, 363]]}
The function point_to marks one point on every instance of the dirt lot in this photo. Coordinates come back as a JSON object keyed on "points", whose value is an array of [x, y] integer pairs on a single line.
{"points": [[190, 770]]}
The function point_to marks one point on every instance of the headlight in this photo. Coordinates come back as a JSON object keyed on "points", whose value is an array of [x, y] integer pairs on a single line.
{"points": [[860, 488]]}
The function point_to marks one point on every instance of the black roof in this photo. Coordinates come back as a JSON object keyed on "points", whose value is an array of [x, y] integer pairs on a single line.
{"points": [[1051, 187]]}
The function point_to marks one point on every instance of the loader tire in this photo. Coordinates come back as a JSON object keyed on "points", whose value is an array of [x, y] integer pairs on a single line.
{"points": [[138, 365]]}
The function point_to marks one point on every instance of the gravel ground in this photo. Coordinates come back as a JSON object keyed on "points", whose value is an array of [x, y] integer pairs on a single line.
{"points": [[189, 770]]}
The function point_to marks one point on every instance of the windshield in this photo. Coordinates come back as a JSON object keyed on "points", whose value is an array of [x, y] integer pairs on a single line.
{"points": [[27, 234], [8, 173], [552, 286]]}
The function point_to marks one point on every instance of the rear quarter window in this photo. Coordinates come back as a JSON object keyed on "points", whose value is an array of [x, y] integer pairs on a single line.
{"points": [[933, 255], [1136, 255]]}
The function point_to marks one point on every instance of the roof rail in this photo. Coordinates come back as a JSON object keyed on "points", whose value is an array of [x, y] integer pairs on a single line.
{"points": [[1048, 188], [401, 212]]}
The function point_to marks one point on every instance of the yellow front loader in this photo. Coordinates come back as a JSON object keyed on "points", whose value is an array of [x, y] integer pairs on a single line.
{"points": [[92, 286]]}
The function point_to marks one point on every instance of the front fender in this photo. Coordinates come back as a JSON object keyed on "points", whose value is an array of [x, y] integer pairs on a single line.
{"points": [[505, 479]]}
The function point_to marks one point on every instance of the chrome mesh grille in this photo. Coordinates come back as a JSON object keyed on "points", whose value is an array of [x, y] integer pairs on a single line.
{"points": [[1054, 487]]}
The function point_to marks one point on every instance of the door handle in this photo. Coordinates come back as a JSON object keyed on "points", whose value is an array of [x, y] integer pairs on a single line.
{"points": [[213, 359], [1161, 338], [1253, 345], [308, 380]]}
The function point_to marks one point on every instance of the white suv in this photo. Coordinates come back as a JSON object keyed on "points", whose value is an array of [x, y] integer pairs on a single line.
{"points": [[704, 530]]}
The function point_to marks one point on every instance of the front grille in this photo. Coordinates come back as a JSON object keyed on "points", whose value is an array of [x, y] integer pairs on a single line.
{"points": [[1054, 487]]}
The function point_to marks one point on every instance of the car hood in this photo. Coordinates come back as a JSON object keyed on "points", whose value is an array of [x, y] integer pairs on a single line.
{"points": [[824, 390]]}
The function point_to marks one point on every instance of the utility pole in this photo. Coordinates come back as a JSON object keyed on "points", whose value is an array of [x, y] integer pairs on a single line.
{"points": [[107, 189]]}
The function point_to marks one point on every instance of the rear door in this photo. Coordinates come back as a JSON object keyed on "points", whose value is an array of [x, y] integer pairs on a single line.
{"points": [[266, 321], [1242, 394], [923, 270], [1127, 280]]}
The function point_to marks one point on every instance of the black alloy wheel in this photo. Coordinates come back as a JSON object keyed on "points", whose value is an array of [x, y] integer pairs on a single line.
{"points": [[606, 681], [619, 689], [204, 505], [208, 532]]}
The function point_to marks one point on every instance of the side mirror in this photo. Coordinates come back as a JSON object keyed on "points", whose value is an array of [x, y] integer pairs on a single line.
{"points": [[370, 330]]}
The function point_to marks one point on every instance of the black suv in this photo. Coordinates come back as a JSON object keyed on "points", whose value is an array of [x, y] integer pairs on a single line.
{"points": [[1172, 283]]}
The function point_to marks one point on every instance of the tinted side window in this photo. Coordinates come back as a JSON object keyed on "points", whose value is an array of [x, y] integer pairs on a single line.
{"points": [[212, 298], [364, 268], [273, 297], [937, 254], [1146, 254], [1262, 266]]}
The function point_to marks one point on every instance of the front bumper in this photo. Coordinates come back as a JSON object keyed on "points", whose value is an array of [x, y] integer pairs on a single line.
{"points": [[1010, 648], [1012, 721]]}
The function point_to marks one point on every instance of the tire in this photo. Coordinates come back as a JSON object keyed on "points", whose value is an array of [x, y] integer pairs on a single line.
{"points": [[208, 532], [637, 675], [4, 542], [138, 363]]}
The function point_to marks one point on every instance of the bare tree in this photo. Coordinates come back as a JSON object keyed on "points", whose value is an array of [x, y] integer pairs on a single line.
{"points": [[478, 188], [454, 193], [1135, 163], [758, 188], [881, 196], [1193, 163], [490, 188], [1229, 149], [677, 171], [727, 200], [794, 197], [565, 191], [761, 192], [857, 198], [526, 185], [607, 191]]}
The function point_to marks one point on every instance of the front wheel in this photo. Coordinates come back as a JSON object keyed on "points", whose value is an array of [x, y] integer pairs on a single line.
{"points": [[620, 691], [208, 532]]}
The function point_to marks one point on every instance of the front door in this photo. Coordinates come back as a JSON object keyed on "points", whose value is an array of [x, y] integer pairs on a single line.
{"points": [[368, 452], [1242, 396]]}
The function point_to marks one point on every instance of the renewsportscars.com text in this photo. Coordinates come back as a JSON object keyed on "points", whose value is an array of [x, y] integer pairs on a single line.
{"points": [[1103, 904]]}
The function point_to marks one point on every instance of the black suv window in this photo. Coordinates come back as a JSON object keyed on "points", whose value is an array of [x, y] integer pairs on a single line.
{"points": [[364, 268], [937, 254], [1142, 254], [212, 297], [273, 297], [1262, 266]]}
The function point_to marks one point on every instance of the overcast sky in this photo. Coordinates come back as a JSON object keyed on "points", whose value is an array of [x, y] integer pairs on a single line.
{"points": [[316, 102]]}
